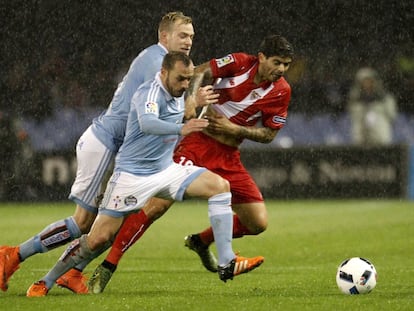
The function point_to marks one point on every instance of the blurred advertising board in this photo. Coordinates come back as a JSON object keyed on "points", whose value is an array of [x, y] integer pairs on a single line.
{"points": [[332, 172], [295, 173]]}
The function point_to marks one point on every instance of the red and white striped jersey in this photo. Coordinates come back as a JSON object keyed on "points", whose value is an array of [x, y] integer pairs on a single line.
{"points": [[241, 100]]}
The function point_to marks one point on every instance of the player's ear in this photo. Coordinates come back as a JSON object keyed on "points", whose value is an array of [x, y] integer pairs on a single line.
{"points": [[261, 57], [163, 71], [163, 37]]}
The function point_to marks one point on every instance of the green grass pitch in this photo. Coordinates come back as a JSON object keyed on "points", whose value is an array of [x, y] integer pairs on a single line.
{"points": [[304, 244]]}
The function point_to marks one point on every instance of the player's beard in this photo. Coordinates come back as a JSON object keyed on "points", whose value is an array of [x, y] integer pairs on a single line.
{"points": [[173, 92], [275, 77]]}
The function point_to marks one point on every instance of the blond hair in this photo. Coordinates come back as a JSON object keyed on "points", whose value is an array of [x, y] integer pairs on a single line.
{"points": [[169, 19]]}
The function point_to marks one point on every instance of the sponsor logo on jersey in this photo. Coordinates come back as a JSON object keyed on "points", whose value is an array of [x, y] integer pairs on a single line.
{"points": [[224, 61], [130, 201], [151, 107], [279, 119]]}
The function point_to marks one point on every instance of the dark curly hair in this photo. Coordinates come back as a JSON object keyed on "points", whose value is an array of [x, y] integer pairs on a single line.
{"points": [[276, 45]]}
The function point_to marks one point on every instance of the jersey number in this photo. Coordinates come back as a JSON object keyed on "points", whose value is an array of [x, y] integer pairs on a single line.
{"points": [[184, 161]]}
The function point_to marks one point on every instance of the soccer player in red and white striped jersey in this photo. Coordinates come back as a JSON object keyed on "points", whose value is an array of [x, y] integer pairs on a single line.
{"points": [[253, 104]]}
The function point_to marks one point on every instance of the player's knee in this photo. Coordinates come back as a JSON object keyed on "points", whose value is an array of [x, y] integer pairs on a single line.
{"points": [[155, 208], [207, 185], [84, 219], [261, 222], [256, 223], [99, 240], [158, 210], [257, 227], [220, 185], [260, 226], [84, 223]]}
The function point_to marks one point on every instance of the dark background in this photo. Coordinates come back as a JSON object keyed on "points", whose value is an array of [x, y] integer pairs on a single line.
{"points": [[60, 63], [93, 42]]}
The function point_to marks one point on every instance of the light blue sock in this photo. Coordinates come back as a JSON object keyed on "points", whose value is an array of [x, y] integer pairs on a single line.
{"points": [[77, 252], [221, 219], [81, 266], [56, 234]]}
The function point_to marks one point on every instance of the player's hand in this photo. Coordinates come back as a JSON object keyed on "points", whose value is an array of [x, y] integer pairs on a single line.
{"points": [[206, 96], [219, 124], [194, 125]]}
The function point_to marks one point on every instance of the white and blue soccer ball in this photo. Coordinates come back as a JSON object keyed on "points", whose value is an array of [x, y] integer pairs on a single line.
{"points": [[356, 276]]}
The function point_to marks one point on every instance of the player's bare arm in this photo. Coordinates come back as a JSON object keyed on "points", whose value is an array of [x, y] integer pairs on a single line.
{"points": [[263, 135], [198, 96], [219, 124], [193, 125]]}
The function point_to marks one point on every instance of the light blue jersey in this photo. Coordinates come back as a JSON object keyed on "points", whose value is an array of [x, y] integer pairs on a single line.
{"points": [[109, 127], [153, 128]]}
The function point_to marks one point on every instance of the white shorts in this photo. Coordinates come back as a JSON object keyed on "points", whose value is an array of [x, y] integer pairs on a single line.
{"points": [[93, 160], [126, 192]]}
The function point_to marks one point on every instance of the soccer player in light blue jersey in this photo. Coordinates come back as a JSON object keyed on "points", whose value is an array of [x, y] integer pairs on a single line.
{"points": [[95, 152], [144, 168]]}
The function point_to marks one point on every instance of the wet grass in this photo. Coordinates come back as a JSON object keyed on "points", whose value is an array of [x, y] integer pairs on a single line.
{"points": [[304, 244]]}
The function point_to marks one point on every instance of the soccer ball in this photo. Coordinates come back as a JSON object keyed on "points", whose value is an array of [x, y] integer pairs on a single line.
{"points": [[356, 276]]}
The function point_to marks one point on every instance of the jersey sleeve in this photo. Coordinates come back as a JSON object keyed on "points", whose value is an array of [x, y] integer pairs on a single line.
{"points": [[231, 64], [275, 114], [148, 113], [145, 66]]}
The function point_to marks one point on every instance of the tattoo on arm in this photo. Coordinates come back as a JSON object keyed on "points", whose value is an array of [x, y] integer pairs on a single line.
{"points": [[194, 84], [262, 135], [202, 76]]}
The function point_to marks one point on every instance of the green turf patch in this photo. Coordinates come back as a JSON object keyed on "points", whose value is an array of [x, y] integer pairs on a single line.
{"points": [[304, 244]]}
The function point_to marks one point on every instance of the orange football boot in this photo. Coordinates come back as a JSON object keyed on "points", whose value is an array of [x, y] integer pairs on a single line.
{"points": [[238, 266], [74, 280], [37, 289], [9, 263]]}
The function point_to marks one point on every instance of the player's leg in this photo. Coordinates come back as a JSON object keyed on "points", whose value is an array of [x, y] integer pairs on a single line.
{"points": [[94, 161], [193, 150], [75, 280], [247, 202], [200, 242], [51, 237], [58, 233], [87, 246], [217, 190], [113, 209], [133, 227], [250, 219]]}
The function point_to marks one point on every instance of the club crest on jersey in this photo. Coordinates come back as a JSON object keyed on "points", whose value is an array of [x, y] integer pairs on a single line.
{"points": [[151, 107], [279, 120], [255, 95], [130, 200], [116, 201], [225, 60]]}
